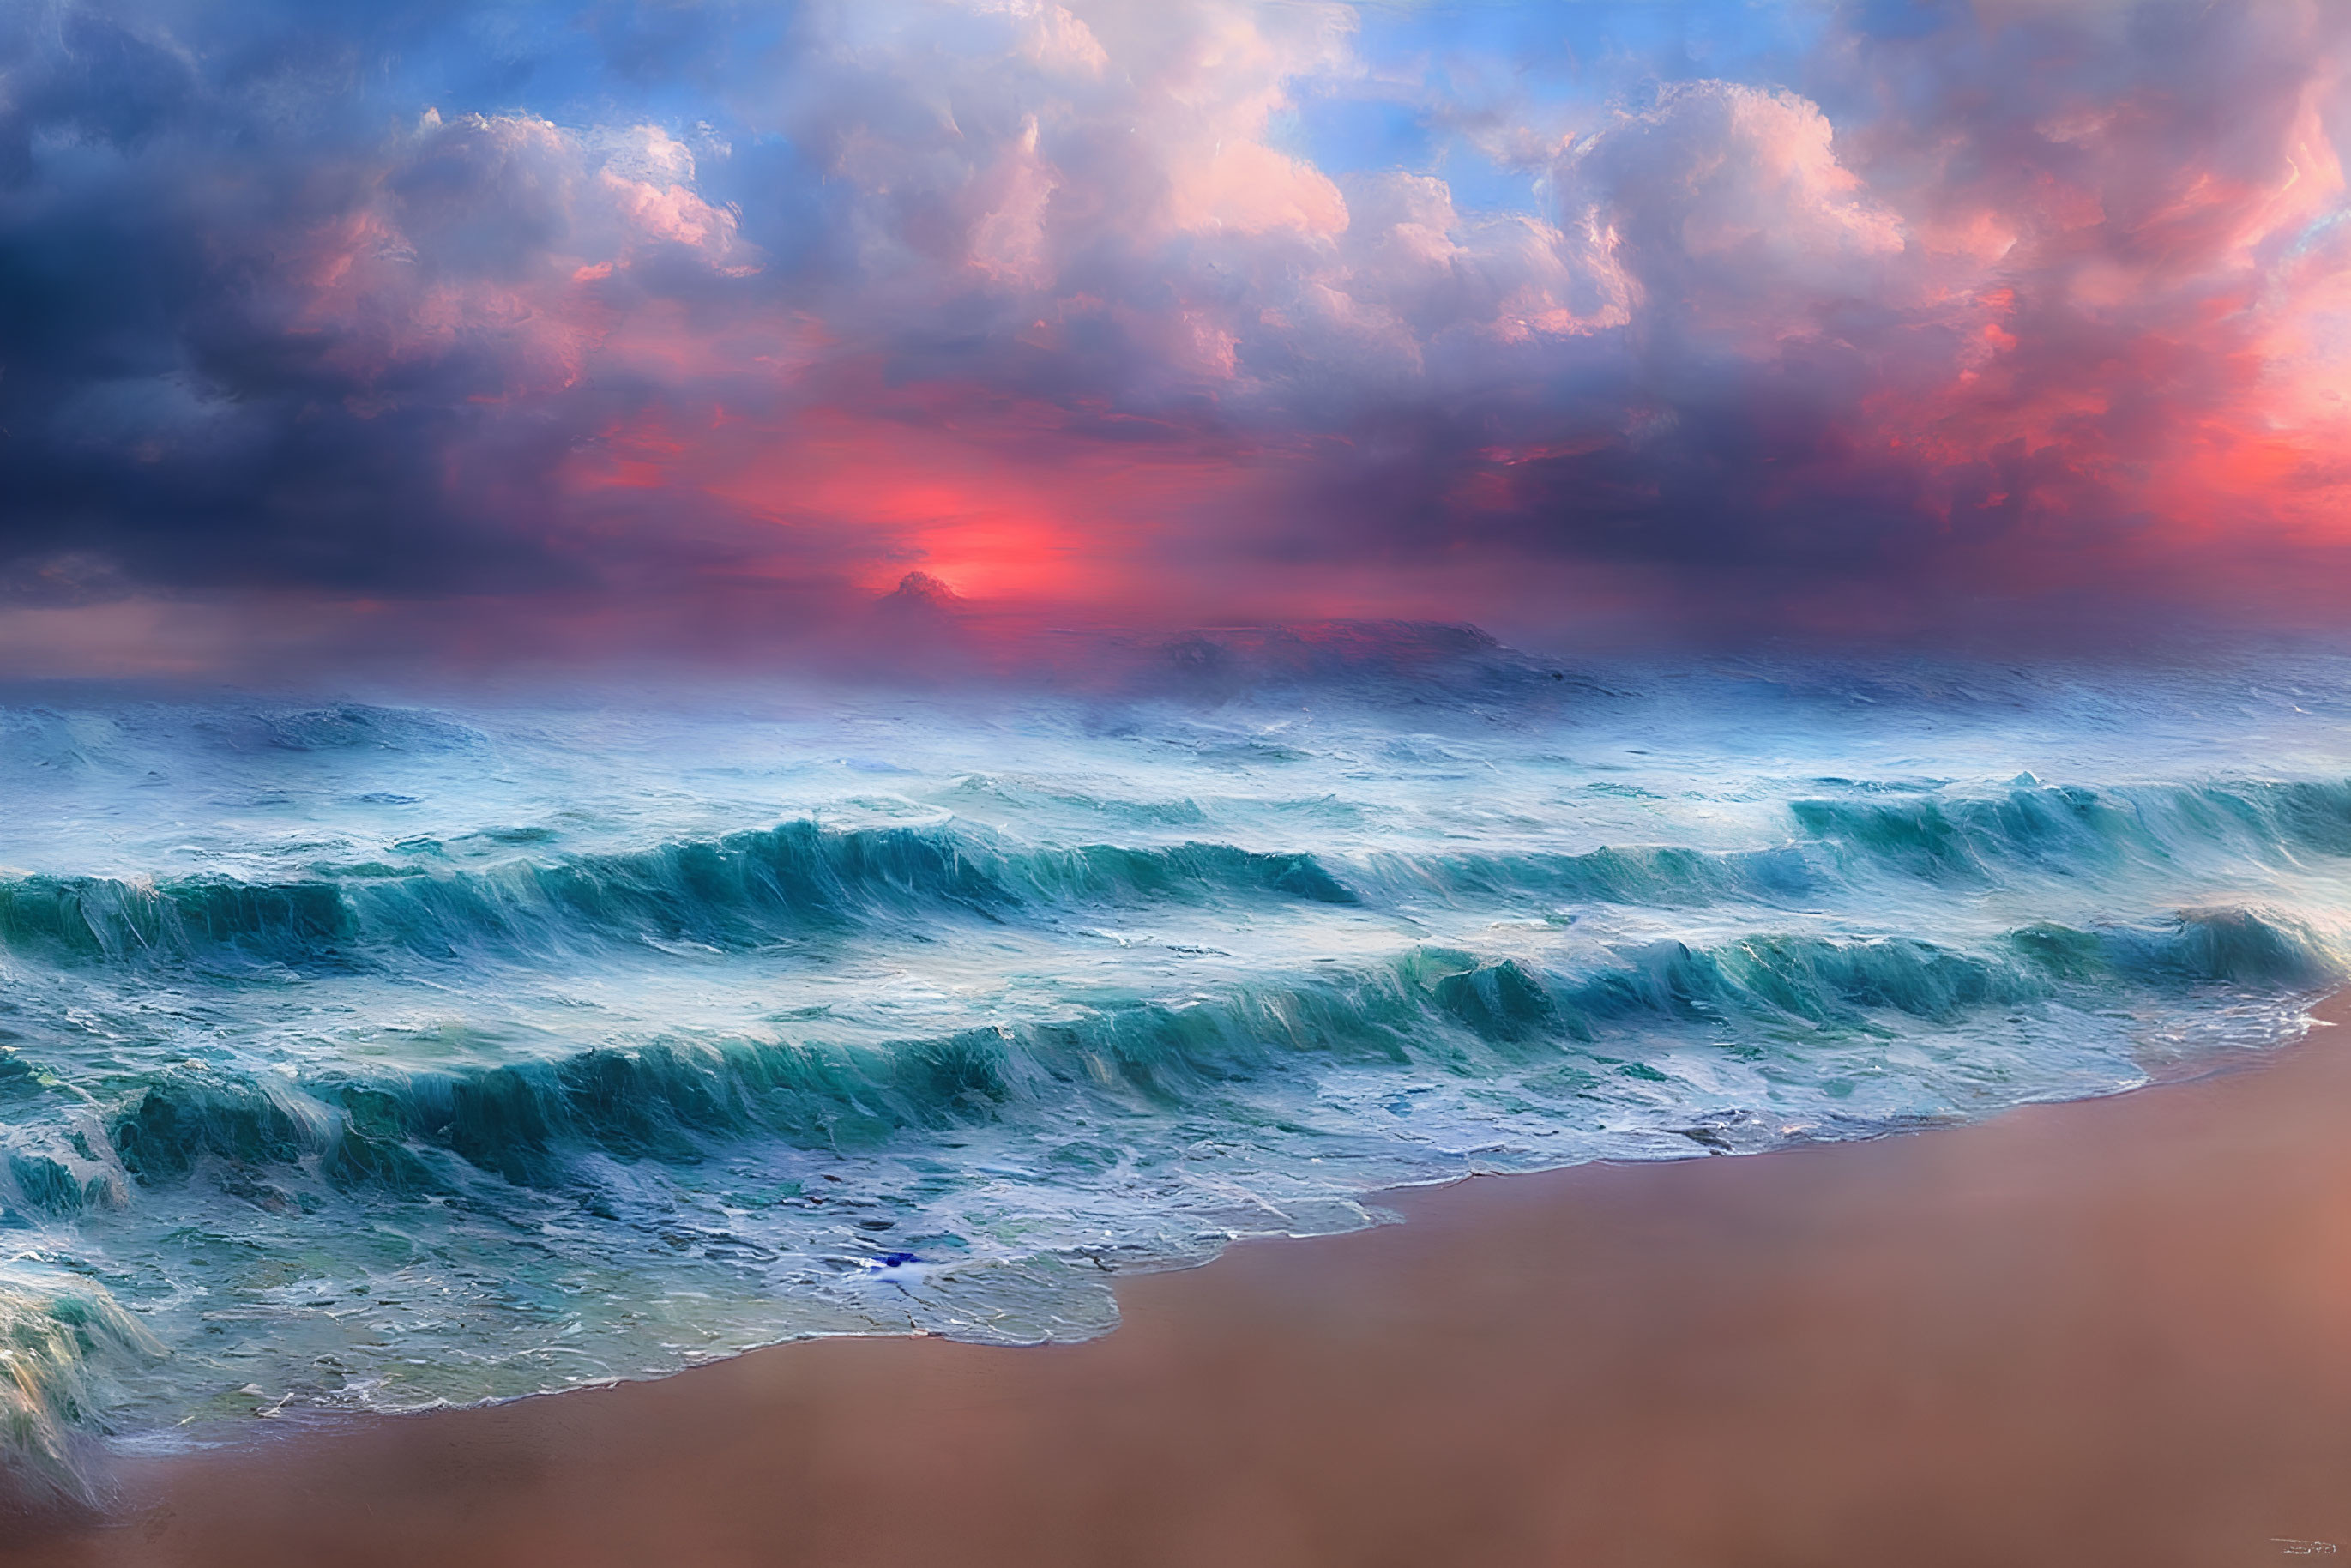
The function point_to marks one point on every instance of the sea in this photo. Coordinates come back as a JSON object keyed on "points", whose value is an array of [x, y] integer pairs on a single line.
{"points": [[380, 1050]]}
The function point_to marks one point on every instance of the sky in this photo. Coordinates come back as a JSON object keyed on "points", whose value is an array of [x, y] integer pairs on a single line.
{"points": [[471, 332]]}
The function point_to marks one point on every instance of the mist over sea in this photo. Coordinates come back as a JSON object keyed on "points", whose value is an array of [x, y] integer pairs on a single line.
{"points": [[380, 1053]]}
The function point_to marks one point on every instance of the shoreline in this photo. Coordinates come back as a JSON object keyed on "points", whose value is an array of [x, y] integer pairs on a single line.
{"points": [[2093, 1331]]}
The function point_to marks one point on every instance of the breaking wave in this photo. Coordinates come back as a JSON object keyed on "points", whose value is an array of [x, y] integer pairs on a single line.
{"points": [[743, 891], [1433, 1011]]}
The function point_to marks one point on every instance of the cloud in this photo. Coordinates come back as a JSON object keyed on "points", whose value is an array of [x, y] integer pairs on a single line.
{"points": [[663, 307], [1727, 209]]}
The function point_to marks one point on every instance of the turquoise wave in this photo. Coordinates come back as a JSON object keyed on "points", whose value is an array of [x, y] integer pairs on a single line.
{"points": [[1433, 1011], [742, 891], [2079, 831]]}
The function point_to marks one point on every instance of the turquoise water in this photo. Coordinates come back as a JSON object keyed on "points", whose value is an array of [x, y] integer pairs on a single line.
{"points": [[389, 1052]]}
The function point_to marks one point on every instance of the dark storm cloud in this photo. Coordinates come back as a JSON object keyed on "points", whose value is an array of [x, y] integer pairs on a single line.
{"points": [[183, 389]]}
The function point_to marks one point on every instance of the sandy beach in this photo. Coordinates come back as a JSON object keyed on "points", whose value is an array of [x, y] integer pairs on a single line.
{"points": [[2110, 1332]]}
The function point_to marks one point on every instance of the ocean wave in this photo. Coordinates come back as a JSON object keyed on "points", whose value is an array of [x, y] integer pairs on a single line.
{"points": [[1440, 1011], [2076, 832], [800, 879], [743, 891], [64, 1341], [1660, 877], [341, 727]]}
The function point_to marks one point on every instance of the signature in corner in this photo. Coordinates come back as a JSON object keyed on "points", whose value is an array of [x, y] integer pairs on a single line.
{"points": [[2305, 1548]]}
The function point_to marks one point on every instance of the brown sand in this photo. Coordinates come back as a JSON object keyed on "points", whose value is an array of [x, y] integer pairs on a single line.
{"points": [[2107, 1332]]}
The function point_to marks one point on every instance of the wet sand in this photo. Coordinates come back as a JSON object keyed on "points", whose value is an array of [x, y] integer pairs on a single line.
{"points": [[2115, 1331]]}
